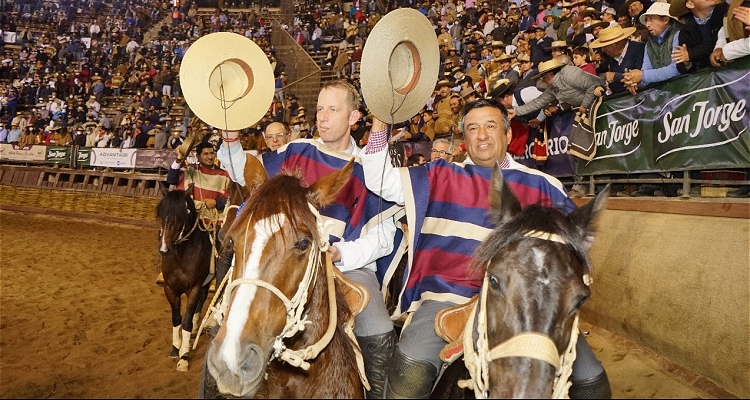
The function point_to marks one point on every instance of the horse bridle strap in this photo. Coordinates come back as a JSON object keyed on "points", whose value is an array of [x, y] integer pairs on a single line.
{"points": [[295, 307], [182, 237], [526, 344]]}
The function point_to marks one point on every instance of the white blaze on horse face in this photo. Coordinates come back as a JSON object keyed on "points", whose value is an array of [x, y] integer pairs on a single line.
{"points": [[163, 246], [539, 261], [244, 294]]}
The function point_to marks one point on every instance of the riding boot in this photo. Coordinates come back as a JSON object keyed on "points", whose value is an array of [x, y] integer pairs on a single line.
{"points": [[407, 378], [376, 351], [595, 388]]}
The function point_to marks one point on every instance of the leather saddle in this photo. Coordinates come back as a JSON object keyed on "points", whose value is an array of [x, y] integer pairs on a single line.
{"points": [[450, 324]]}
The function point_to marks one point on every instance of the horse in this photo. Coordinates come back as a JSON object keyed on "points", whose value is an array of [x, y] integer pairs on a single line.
{"points": [[186, 252], [282, 297], [537, 276]]}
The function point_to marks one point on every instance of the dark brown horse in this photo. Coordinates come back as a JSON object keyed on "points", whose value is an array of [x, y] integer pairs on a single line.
{"points": [[186, 253], [281, 334], [537, 277]]}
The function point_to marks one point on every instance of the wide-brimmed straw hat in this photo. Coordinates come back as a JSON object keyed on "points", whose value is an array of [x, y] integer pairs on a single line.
{"points": [[227, 80], [612, 34], [400, 65], [549, 65], [500, 88]]}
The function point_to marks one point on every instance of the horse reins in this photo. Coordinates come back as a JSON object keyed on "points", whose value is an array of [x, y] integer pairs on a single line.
{"points": [[295, 320], [182, 238], [527, 344]]}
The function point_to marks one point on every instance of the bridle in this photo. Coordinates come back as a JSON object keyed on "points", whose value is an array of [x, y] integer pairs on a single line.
{"points": [[182, 236], [533, 345], [296, 320]]}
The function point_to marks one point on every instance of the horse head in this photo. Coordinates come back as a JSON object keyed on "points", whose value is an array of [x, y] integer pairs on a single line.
{"points": [[537, 277], [279, 240], [178, 219]]}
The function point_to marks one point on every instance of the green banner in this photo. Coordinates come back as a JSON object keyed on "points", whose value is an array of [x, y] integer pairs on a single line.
{"points": [[83, 157], [697, 121], [58, 155]]}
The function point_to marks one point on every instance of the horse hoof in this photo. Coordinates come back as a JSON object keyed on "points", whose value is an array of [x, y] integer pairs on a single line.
{"points": [[182, 366], [175, 353]]}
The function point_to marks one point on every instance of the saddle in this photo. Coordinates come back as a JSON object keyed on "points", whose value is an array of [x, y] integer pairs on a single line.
{"points": [[450, 324], [356, 295]]}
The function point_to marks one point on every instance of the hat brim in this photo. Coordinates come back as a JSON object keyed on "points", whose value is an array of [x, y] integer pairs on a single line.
{"points": [[626, 32], [236, 64], [402, 50], [555, 68]]}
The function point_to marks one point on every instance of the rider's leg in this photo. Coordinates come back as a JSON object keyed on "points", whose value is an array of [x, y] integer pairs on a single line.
{"points": [[415, 363], [374, 332], [589, 377]]}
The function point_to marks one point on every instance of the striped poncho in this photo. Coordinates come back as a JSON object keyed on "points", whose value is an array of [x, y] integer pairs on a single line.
{"points": [[356, 210], [446, 207]]}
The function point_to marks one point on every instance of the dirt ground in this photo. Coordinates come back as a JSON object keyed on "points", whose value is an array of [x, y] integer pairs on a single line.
{"points": [[81, 317]]}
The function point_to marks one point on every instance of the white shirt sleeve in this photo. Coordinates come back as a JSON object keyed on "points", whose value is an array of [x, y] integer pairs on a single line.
{"points": [[363, 252], [381, 177], [232, 159]]}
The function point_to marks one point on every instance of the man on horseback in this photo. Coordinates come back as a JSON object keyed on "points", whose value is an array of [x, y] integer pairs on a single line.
{"points": [[210, 185], [445, 236], [360, 246]]}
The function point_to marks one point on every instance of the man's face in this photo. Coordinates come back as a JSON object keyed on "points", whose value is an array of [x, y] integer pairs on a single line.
{"points": [[335, 117], [702, 5], [623, 21], [485, 136], [505, 65], [441, 150], [614, 49], [455, 104], [635, 8], [656, 24], [445, 90], [275, 136], [206, 157]]}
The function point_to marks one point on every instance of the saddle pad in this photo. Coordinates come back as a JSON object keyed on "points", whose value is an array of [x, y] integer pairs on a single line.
{"points": [[356, 295]]}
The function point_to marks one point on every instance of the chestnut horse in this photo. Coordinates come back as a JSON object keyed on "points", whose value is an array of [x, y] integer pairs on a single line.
{"points": [[537, 277], [186, 253], [281, 334]]}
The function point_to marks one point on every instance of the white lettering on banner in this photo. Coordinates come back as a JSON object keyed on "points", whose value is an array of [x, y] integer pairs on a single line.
{"points": [[619, 133], [56, 154], [557, 145], [720, 116]]}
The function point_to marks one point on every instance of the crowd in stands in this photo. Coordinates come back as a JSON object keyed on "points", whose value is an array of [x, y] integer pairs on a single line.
{"points": [[62, 79]]}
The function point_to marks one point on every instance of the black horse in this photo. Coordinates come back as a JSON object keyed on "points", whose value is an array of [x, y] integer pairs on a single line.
{"points": [[537, 277], [186, 252]]}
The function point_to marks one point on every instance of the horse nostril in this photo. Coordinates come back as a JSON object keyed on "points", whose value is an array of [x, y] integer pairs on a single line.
{"points": [[253, 363]]}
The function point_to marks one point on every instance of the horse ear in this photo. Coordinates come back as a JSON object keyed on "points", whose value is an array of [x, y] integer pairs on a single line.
{"points": [[504, 204], [586, 216], [325, 189], [254, 173]]}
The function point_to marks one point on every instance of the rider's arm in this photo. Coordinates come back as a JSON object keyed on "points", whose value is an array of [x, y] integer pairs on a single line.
{"points": [[173, 175], [378, 242], [380, 176], [232, 158]]}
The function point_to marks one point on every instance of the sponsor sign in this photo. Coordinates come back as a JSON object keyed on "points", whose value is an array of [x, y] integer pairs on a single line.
{"points": [[12, 152], [113, 158]]}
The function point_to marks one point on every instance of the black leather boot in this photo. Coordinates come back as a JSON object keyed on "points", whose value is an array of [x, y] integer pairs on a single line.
{"points": [[407, 378], [376, 351], [595, 388]]}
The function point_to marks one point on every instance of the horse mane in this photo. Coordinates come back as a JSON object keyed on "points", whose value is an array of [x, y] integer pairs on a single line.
{"points": [[172, 206], [283, 194], [534, 217]]}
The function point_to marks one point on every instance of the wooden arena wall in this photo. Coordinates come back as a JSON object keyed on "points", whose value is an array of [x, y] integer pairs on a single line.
{"points": [[677, 284]]}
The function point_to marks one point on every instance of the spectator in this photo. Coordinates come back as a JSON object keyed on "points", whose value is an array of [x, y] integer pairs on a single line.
{"points": [[699, 35], [624, 55], [658, 65]]}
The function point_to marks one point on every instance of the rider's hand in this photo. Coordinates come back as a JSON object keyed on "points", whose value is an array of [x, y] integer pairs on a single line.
{"points": [[210, 203], [334, 253]]}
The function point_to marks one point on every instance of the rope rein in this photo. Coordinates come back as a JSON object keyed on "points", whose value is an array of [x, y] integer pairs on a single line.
{"points": [[527, 344]]}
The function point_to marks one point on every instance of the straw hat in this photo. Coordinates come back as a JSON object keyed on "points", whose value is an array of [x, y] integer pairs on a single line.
{"points": [[596, 24], [612, 34], [590, 11], [658, 8], [549, 65], [505, 57], [401, 51], [500, 88], [557, 44], [234, 63]]}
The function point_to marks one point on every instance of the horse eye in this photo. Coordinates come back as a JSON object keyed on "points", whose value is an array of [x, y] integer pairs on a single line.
{"points": [[581, 301], [302, 244], [494, 283]]}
